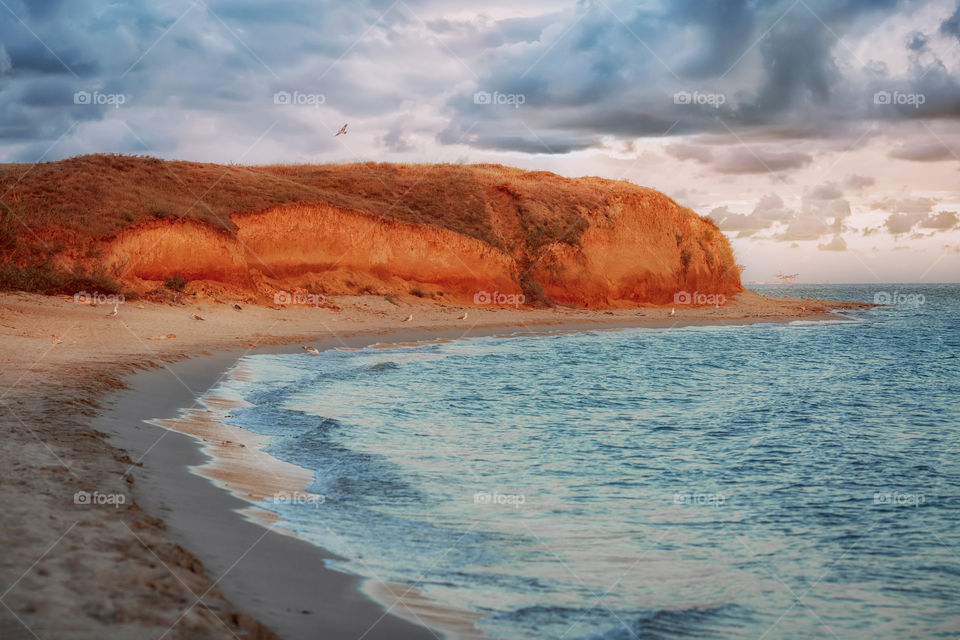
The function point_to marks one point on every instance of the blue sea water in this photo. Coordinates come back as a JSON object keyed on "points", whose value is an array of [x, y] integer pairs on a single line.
{"points": [[766, 481]]}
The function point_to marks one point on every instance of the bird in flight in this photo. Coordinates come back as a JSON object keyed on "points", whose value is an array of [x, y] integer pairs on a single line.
{"points": [[343, 131]]}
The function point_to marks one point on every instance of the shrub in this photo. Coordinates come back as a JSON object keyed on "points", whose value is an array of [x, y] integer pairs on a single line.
{"points": [[176, 282]]}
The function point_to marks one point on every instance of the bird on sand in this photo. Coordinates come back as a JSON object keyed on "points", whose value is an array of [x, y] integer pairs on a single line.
{"points": [[408, 318], [343, 131], [673, 312], [312, 351], [196, 317], [115, 312], [463, 317]]}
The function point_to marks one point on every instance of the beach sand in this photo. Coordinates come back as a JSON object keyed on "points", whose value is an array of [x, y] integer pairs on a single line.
{"points": [[181, 557]]}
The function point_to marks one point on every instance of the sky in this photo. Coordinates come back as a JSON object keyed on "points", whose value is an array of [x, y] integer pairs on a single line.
{"points": [[823, 136]]}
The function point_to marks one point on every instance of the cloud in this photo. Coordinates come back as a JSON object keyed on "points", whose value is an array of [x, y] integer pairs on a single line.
{"points": [[917, 41], [5, 63], [588, 71], [836, 244], [752, 160], [914, 205], [822, 211], [685, 151], [396, 139], [951, 26], [926, 151], [747, 225], [899, 223], [740, 160], [825, 191], [805, 228], [858, 182], [941, 221], [771, 207]]}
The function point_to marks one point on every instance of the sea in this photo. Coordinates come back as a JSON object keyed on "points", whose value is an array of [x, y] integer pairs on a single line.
{"points": [[781, 480]]}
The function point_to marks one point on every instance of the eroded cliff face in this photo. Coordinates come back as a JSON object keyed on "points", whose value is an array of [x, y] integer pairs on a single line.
{"points": [[449, 231], [637, 248], [641, 248]]}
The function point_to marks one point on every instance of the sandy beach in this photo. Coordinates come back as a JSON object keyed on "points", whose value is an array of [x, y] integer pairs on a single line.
{"points": [[151, 550]]}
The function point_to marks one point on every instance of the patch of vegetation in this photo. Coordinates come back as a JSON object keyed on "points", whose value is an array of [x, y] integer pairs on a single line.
{"points": [[420, 293], [42, 276], [534, 294], [685, 257], [176, 282], [392, 299], [159, 210]]}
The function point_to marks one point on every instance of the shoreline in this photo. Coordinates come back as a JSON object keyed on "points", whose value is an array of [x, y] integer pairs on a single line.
{"points": [[103, 370], [243, 474]]}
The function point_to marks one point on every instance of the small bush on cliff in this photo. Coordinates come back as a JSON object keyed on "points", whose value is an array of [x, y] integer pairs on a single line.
{"points": [[176, 282], [420, 293], [42, 276], [685, 257]]}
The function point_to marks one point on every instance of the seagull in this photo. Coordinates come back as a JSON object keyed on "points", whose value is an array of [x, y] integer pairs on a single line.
{"points": [[312, 351], [343, 131], [673, 312], [196, 317], [115, 312], [463, 317], [408, 318]]}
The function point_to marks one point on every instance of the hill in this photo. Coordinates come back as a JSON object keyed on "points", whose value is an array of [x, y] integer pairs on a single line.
{"points": [[112, 222]]}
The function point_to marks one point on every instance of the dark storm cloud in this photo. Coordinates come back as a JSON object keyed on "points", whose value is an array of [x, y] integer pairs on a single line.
{"points": [[738, 65], [587, 72], [951, 25]]}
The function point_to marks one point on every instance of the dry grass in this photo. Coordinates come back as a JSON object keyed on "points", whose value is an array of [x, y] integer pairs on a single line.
{"points": [[101, 194]]}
